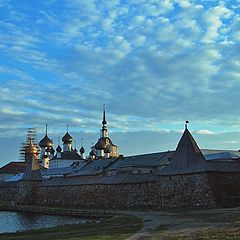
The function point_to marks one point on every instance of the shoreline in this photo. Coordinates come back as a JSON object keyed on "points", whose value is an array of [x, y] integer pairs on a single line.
{"points": [[90, 214], [118, 227], [211, 223]]}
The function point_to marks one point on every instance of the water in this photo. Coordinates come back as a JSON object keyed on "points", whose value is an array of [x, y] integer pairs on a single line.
{"points": [[21, 221]]}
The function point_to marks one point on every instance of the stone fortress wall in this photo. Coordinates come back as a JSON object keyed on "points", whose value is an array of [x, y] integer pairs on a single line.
{"points": [[189, 190]]}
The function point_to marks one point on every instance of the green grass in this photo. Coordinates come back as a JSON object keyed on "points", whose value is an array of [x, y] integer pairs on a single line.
{"points": [[116, 228], [207, 234], [223, 234], [212, 234]]}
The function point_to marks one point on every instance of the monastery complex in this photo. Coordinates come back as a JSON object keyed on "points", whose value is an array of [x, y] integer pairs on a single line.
{"points": [[65, 176]]}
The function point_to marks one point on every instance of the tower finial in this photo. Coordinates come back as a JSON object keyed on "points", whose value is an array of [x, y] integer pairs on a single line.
{"points": [[82, 141], [67, 127], [186, 124], [58, 141], [46, 128]]}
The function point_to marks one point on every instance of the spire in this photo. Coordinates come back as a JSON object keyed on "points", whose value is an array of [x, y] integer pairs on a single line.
{"points": [[104, 122], [104, 131], [67, 128], [186, 124], [46, 129]]}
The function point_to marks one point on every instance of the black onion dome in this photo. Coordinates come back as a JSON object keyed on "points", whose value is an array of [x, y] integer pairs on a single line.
{"points": [[107, 150], [92, 153], [67, 138], [82, 150], [100, 145], [52, 151], [46, 142], [58, 149], [75, 150]]}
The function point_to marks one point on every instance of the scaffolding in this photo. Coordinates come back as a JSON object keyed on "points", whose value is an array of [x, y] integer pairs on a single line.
{"points": [[31, 136]]}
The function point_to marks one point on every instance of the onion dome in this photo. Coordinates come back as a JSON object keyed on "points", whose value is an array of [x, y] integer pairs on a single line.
{"points": [[45, 142], [30, 148], [67, 138], [82, 150], [100, 145], [92, 153], [58, 149], [107, 150], [75, 150]]}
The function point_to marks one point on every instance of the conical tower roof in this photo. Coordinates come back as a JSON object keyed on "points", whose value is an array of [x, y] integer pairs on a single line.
{"points": [[187, 153], [187, 158]]}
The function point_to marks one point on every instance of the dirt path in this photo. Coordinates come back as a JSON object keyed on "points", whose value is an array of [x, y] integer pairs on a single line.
{"points": [[151, 220]]}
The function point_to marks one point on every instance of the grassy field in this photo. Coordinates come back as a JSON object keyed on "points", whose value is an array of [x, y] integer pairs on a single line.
{"points": [[117, 228], [203, 224]]}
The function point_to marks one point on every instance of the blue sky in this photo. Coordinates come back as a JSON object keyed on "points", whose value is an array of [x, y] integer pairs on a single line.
{"points": [[153, 63]]}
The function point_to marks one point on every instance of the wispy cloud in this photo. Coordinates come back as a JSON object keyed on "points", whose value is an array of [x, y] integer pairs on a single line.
{"points": [[154, 63], [206, 132]]}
